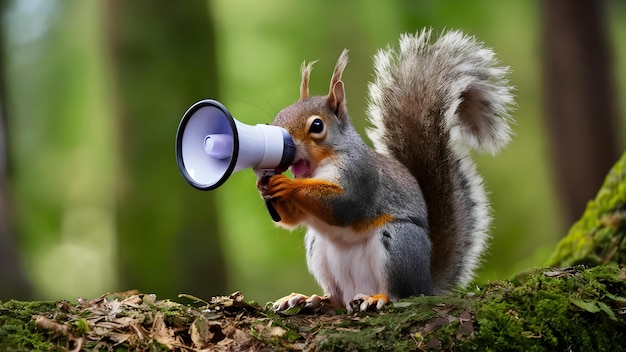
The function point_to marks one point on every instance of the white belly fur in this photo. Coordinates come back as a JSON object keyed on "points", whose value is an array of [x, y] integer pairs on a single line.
{"points": [[346, 263]]}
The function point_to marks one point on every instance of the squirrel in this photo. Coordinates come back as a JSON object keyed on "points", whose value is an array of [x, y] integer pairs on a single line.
{"points": [[410, 217]]}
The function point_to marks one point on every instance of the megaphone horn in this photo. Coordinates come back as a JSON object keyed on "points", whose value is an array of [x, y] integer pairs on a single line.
{"points": [[211, 145]]}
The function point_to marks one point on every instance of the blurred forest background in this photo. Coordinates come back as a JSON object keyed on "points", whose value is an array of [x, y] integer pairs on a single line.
{"points": [[91, 199]]}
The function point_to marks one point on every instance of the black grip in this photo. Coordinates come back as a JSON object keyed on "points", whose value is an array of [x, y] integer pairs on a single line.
{"points": [[273, 213]]}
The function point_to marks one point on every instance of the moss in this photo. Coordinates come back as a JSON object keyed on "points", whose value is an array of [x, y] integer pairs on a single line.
{"points": [[18, 331], [599, 237], [417, 322], [537, 311], [554, 310]]}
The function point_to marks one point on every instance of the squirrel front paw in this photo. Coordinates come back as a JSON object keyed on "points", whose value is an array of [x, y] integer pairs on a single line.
{"points": [[279, 190], [294, 198], [276, 187]]}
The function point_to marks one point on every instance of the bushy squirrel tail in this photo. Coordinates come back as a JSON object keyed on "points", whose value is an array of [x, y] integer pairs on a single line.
{"points": [[430, 103]]}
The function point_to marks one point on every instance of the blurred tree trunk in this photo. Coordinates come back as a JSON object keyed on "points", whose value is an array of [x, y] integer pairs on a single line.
{"points": [[164, 59], [14, 283], [580, 100]]}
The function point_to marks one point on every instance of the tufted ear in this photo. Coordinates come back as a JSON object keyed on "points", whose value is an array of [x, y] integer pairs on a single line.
{"points": [[306, 73], [336, 99]]}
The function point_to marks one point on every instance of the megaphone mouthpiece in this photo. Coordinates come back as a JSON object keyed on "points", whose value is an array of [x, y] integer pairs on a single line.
{"points": [[289, 152]]}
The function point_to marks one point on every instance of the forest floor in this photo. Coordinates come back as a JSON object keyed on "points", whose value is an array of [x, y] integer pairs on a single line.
{"points": [[577, 308]]}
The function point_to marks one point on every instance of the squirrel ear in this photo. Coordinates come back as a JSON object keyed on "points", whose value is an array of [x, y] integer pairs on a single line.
{"points": [[336, 94], [336, 99]]}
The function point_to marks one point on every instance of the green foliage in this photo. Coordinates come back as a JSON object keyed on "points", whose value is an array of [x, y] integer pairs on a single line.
{"points": [[61, 131], [168, 232]]}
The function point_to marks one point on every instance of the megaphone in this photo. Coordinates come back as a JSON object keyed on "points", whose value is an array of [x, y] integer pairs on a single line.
{"points": [[211, 145]]}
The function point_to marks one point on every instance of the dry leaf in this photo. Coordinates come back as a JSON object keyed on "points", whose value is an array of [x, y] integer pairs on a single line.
{"points": [[200, 332], [51, 325], [140, 332], [132, 301], [162, 334], [118, 337], [277, 331]]}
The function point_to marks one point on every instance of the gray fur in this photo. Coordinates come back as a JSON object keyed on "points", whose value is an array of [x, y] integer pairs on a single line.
{"points": [[409, 246]]}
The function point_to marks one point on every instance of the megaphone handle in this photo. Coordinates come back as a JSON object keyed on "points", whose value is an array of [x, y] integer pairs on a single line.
{"points": [[264, 175], [273, 213]]}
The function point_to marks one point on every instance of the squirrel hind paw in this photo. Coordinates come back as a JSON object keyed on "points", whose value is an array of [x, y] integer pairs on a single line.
{"points": [[299, 300], [363, 302]]}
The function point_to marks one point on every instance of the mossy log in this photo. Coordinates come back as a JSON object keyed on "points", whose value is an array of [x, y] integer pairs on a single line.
{"points": [[578, 302], [599, 237]]}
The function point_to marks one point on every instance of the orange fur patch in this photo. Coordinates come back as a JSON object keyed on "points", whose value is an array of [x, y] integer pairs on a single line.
{"points": [[308, 197], [295, 197], [372, 223], [380, 297], [320, 153], [299, 133]]}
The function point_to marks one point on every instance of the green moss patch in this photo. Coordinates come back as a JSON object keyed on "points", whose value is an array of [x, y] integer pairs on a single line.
{"points": [[599, 237], [576, 308]]}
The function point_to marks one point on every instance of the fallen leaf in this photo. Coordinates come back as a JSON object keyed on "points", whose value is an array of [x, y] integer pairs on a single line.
{"points": [[200, 333], [465, 319], [607, 310], [443, 309], [114, 307], [402, 304], [435, 323], [162, 334], [241, 337], [620, 301], [277, 331], [51, 325], [139, 330], [78, 344], [132, 301], [118, 337], [149, 298], [589, 306]]}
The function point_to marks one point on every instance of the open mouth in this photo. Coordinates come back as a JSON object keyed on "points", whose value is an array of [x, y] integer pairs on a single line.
{"points": [[302, 169]]}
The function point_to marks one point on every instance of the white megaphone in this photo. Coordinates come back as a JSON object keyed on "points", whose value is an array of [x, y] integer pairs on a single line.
{"points": [[211, 145]]}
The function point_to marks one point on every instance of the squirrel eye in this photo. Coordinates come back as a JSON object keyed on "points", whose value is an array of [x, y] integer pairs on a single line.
{"points": [[317, 129]]}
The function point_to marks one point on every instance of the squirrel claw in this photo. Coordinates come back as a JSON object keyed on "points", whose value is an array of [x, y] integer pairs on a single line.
{"points": [[316, 301], [289, 301], [274, 187], [363, 302], [298, 299], [262, 182]]}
